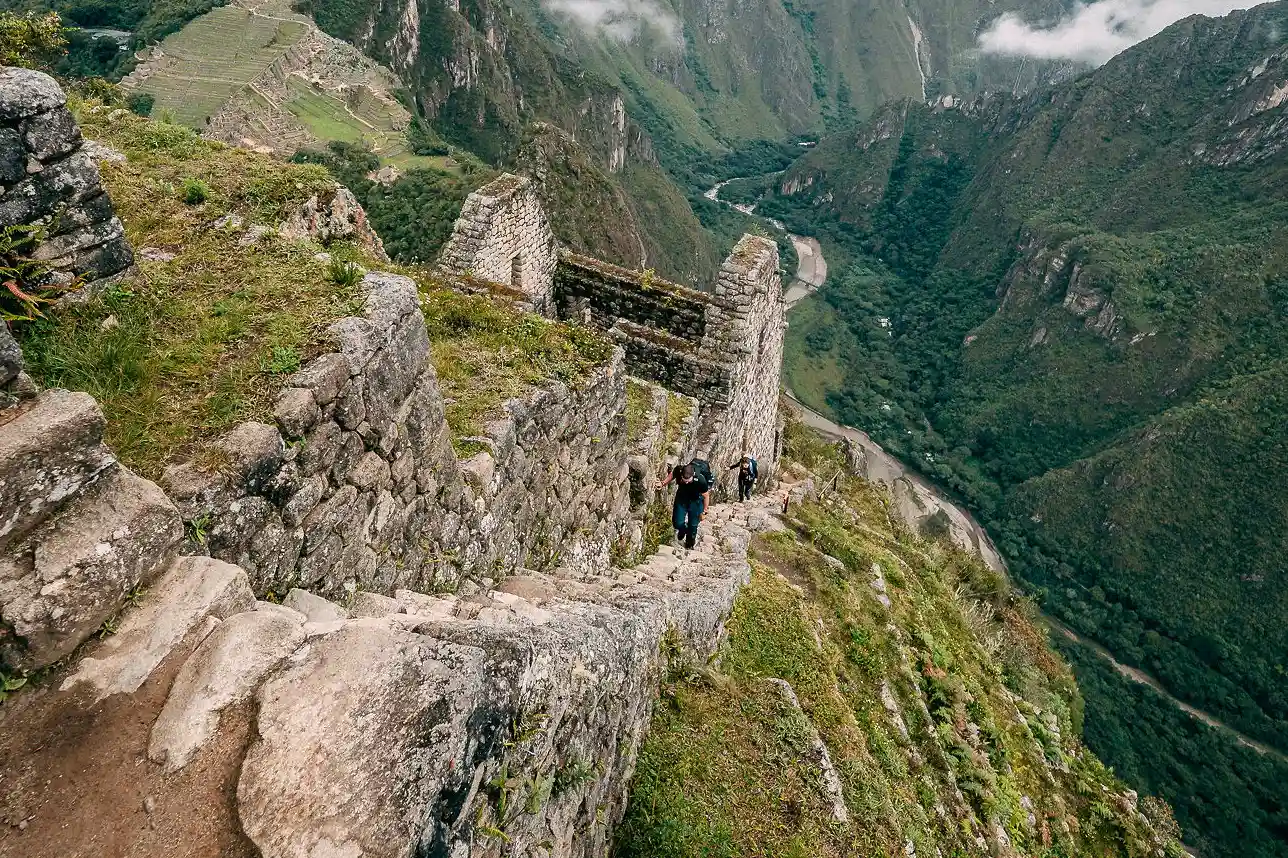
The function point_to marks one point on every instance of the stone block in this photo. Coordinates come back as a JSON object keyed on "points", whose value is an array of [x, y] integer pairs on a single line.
{"points": [[325, 376], [52, 134], [296, 411], [367, 604], [320, 448], [49, 451], [24, 93], [13, 158], [225, 669], [71, 180], [192, 590], [76, 570], [95, 210], [253, 453], [356, 740], [317, 609], [371, 473]]}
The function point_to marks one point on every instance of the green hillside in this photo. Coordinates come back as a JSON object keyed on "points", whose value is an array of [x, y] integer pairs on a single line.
{"points": [[952, 728], [1070, 308]]}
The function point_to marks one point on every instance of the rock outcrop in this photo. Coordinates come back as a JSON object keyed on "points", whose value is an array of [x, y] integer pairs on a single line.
{"points": [[50, 181]]}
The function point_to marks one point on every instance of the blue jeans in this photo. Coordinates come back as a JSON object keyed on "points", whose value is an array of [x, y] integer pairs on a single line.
{"points": [[685, 518]]}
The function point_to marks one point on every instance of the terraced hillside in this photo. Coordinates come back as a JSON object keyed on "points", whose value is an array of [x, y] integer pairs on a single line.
{"points": [[257, 74], [198, 70]]}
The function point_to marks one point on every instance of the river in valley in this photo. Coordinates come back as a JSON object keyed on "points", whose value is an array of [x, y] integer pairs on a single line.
{"points": [[915, 498]]}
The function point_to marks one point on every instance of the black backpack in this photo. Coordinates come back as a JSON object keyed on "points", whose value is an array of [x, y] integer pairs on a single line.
{"points": [[702, 471]]}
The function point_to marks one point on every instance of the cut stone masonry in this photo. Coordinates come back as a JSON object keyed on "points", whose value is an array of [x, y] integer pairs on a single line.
{"points": [[48, 179], [722, 347]]}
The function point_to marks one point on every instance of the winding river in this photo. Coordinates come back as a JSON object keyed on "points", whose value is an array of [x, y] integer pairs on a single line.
{"points": [[917, 500]]}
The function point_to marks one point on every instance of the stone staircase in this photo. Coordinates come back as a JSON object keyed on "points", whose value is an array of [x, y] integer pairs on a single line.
{"points": [[395, 708]]}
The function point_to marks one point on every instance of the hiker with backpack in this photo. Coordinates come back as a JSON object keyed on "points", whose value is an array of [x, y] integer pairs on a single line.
{"points": [[692, 494], [747, 474]]}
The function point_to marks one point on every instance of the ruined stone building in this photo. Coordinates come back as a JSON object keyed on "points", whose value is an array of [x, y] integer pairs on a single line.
{"points": [[430, 640], [723, 347]]}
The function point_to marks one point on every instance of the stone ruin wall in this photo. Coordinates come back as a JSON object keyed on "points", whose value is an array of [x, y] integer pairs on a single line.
{"points": [[47, 178], [750, 282], [723, 347], [503, 236], [548, 680], [358, 486]]}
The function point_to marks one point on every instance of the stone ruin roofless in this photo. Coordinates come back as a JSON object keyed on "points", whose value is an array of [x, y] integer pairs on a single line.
{"points": [[723, 347]]}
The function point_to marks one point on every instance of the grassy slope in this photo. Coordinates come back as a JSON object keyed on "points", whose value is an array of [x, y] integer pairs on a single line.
{"points": [[201, 341], [722, 772], [188, 347]]}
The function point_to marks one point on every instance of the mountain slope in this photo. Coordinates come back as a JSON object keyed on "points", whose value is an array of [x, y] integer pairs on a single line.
{"points": [[948, 726], [1070, 307]]}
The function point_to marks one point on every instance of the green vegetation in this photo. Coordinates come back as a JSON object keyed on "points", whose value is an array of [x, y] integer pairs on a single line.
{"points": [[214, 58], [414, 215], [1127, 722], [725, 772], [639, 402], [486, 352], [24, 288], [31, 40], [194, 344], [1080, 327]]}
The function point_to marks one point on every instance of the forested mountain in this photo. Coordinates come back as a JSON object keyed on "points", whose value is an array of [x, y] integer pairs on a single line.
{"points": [[1072, 307]]}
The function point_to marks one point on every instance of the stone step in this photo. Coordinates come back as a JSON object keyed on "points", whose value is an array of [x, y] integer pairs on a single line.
{"points": [[78, 568], [50, 449], [194, 592]]}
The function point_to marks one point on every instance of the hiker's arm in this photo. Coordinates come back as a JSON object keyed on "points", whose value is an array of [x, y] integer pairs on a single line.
{"points": [[664, 483], [706, 502]]}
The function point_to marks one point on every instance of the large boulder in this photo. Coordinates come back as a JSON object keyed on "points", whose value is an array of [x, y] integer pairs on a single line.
{"points": [[192, 591], [358, 736]]}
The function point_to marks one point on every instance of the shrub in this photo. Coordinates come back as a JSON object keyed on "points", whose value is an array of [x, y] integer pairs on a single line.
{"points": [[345, 274], [141, 103], [32, 40], [194, 192]]}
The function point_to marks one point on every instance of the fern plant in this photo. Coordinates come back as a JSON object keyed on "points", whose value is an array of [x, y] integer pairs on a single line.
{"points": [[23, 279]]}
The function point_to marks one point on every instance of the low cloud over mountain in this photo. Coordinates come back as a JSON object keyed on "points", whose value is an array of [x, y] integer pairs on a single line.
{"points": [[1096, 31]]}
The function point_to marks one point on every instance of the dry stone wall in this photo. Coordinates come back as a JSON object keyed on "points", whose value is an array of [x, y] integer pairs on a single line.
{"points": [[503, 236], [48, 179], [358, 486], [723, 347]]}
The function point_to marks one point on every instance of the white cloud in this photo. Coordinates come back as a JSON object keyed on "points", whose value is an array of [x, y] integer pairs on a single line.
{"points": [[622, 20], [1095, 31]]}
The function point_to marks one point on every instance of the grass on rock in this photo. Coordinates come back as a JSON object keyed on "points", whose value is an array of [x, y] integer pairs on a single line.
{"points": [[639, 402], [191, 345], [486, 352]]}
